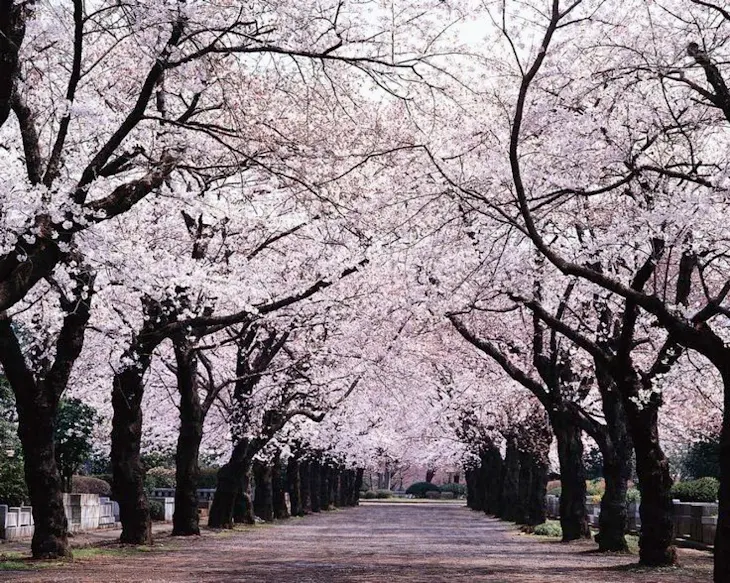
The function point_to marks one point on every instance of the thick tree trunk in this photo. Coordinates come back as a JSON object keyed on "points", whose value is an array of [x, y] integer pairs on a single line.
{"points": [[279, 487], [537, 505], [524, 488], [470, 476], [480, 485], [315, 488], [185, 521], [573, 518], [243, 510], [511, 480], [263, 502], [294, 486], [127, 469], [494, 482], [655, 484], [343, 477], [50, 537], [305, 486], [722, 534], [324, 502], [357, 486]]}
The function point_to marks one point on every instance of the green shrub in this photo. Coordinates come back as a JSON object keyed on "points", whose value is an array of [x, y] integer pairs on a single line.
{"points": [[633, 495], [455, 489], [161, 477], [157, 510], [208, 477], [90, 485], [595, 487], [419, 489], [369, 495], [382, 494], [549, 528], [702, 490], [13, 491]]}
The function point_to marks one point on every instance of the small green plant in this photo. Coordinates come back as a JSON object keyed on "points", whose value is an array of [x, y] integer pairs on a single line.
{"points": [[90, 485], [456, 489], [633, 495], [370, 495], [595, 487], [419, 489], [383, 494], [549, 528], [702, 490], [157, 510]]}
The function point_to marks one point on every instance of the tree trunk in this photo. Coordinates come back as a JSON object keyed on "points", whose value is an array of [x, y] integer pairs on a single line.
{"points": [[305, 486], [185, 521], [294, 485], [263, 503], [357, 486], [655, 485], [524, 488], [470, 476], [50, 537], [127, 469], [315, 488], [325, 503], [573, 518], [430, 473], [243, 510], [537, 505], [510, 484], [278, 484], [494, 482], [722, 534]]}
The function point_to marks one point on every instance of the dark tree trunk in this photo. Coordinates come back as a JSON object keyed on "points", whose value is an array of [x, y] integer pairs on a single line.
{"points": [[324, 502], [510, 482], [343, 477], [430, 473], [356, 487], [243, 509], [655, 484], [227, 486], [537, 506], [305, 486], [722, 534], [185, 521], [315, 488], [494, 482], [470, 476], [127, 469], [480, 474], [37, 402], [573, 518], [279, 487], [524, 488], [263, 502], [294, 485], [50, 538]]}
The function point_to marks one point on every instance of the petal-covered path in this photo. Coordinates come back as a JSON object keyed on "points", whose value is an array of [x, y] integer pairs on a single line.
{"points": [[372, 543]]}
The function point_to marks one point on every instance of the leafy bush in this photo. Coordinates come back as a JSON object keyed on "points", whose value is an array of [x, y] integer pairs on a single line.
{"points": [[419, 489], [549, 528], [555, 491], [455, 489], [13, 490], [157, 510], [703, 458], [90, 485], [595, 487], [702, 490], [382, 494], [369, 495], [208, 477], [633, 495], [160, 477]]}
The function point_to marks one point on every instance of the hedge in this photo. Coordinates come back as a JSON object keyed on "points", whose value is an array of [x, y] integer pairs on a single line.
{"points": [[702, 490]]}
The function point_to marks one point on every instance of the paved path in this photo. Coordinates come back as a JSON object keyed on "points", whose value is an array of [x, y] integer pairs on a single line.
{"points": [[372, 543]]}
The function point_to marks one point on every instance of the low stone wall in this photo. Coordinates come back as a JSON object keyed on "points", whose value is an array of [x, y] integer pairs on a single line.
{"points": [[693, 521], [83, 512]]}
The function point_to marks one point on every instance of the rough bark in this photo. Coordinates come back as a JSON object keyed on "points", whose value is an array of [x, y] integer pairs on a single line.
{"points": [[470, 476], [294, 486], [325, 502], [722, 535], [510, 482], [305, 486], [263, 501], [493, 482], [315, 488], [279, 488], [537, 505], [524, 488], [573, 518], [185, 521], [357, 487], [243, 511]]}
